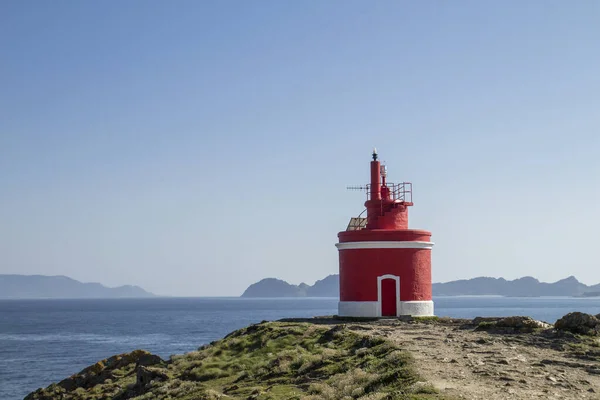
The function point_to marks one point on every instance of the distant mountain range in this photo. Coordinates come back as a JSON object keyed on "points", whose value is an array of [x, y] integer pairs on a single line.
{"points": [[55, 287], [522, 287]]}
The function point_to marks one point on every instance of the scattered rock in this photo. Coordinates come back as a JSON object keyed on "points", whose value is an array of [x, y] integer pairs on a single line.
{"points": [[514, 324], [522, 323], [578, 322], [99, 373], [103, 370], [145, 375], [478, 320], [148, 359]]}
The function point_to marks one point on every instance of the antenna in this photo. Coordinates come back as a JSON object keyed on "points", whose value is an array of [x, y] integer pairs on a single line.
{"points": [[356, 187]]}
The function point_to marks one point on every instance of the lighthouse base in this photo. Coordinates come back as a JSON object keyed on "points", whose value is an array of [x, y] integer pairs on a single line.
{"points": [[373, 308]]}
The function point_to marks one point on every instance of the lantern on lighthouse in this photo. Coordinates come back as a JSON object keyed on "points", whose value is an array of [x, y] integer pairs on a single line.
{"points": [[385, 267]]}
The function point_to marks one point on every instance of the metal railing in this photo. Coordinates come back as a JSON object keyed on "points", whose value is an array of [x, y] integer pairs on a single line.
{"points": [[397, 191]]}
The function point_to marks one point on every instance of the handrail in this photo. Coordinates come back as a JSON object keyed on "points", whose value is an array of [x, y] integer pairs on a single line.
{"points": [[398, 191]]}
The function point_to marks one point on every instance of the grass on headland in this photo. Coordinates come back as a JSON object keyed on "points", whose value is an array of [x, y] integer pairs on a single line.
{"points": [[276, 360], [303, 361]]}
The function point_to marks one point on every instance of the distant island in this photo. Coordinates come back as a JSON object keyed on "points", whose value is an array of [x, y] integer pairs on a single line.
{"points": [[271, 287], [61, 287], [481, 286]]}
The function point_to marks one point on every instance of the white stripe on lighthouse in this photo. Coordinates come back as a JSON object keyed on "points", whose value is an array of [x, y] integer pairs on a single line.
{"points": [[373, 308], [385, 245]]}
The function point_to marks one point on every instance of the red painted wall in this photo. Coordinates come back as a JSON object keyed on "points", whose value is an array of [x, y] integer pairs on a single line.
{"points": [[359, 269], [375, 180], [395, 218]]}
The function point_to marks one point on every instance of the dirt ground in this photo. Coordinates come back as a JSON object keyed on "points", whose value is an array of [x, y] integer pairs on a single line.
{"points": [[467, 364]]}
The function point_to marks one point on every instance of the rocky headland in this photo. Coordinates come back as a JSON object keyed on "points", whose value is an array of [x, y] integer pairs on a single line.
{"points": [[344, 358]]}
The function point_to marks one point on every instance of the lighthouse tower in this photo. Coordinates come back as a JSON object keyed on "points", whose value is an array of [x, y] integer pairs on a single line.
{"points": [[385, 267]]}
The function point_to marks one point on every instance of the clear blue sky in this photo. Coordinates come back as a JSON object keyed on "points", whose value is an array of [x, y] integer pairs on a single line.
{"points": [[195, 147]]}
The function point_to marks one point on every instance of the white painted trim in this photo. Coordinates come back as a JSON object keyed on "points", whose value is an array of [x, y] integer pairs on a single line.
{"points": [[357, 309], [381, 278], [385, 245], [372, 309], [418, 308]]}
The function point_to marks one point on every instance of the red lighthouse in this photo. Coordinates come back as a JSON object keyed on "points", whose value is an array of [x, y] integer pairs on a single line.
{"points": [[385, 267]]}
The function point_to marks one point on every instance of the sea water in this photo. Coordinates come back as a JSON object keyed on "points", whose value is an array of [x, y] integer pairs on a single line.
{"points": [[44, 341]]}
